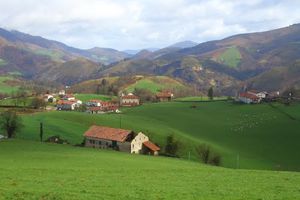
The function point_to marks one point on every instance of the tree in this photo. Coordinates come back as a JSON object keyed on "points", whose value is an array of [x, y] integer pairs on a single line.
{"points": [[171, 147], [210, 93], [145, 95], [38, 103], [10, 122], [207, 156]]}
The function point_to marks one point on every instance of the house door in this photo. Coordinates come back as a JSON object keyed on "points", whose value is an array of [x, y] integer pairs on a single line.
{"points": [[114, 144]]}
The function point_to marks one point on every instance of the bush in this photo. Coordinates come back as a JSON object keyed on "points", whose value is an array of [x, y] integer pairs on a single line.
{"points": [[171, 147], [207, 156]]}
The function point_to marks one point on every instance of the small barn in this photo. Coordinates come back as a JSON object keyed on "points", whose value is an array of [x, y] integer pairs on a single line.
{"points": [[164, 96], [150, 148]]}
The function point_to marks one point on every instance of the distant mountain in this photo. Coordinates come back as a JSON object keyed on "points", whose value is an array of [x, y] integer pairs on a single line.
{"points": [[265, 60], [225, 64], [133, 52], [59, 51], [184, 44]]}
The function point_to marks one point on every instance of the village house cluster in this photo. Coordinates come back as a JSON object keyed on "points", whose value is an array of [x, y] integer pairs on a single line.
{"points": [[119, 139], [68, 102], [254, 96]]}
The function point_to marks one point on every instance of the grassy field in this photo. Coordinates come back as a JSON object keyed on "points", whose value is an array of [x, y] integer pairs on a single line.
{"points": [[7, 88], [231, 57], [247, 136], [87, 97], [155, 84], [200, 98], [31, 170]]}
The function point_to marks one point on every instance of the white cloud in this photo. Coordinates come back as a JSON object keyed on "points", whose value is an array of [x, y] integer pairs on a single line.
{"points": [[126, 24]]}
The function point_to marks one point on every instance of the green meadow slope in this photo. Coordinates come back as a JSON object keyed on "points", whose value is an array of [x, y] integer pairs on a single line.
{"points": [[31, 170], [247, 136]]}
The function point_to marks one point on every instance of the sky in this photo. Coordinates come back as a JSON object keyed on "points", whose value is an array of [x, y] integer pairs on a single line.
{"points": [[139, 24]]}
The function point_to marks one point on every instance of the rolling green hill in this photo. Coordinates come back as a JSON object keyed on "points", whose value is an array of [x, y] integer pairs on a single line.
{"points": [[155, 84], [8, 84], [31, 170], [129, 83], [247, 136]]}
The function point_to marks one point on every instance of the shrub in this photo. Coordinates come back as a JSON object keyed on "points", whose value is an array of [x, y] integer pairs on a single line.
{"points": [[207, 156], [171, 147]]}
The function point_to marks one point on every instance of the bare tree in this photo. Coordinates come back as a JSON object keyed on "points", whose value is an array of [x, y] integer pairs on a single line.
{"points": [[10, 122]]}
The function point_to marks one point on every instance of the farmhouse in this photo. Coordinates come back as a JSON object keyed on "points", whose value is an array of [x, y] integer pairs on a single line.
{"points": [[49, 98], [69, 97], [261, 95], [68, 105], [119, 139], [94, 103], [248, 98], [108, 138], [164, 96], [129, 100]]}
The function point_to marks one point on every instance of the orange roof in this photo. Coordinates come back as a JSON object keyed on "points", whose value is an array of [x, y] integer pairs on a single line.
{"points": [[65, 102], [164, 95], [248, 96], [107, 133], [95, 101], [130, 97], [151, 146]]}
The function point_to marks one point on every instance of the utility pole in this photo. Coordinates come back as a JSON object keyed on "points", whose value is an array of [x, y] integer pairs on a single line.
{"points": [[189, 155], [41, 131]]}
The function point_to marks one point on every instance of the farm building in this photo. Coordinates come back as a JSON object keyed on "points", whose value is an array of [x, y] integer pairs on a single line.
{"points": [[94, 103], [62, 93], [68, 105], [248, 98], [141, 145], [164, 96], [49, 98], [69, 97], [129, 100], [108, 138], [119, 139], [261, 95]]}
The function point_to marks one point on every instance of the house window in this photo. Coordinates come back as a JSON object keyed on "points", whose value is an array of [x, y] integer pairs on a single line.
{"points": [[99, 142]]}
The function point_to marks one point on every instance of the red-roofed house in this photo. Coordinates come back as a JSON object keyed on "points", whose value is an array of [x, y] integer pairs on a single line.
{"points": [[129, 100], [106, 137], [247, 97], [164, 96], [67, 105], [119, 139]]}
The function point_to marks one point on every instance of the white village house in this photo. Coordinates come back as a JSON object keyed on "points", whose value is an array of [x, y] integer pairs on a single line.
{"points": [[129, 100]]}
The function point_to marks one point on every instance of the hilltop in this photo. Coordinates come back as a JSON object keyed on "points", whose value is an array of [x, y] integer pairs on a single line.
{"points": [[129, 83]]}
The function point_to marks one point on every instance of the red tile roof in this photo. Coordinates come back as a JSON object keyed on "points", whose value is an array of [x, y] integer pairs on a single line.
{"points": [[151, 146], [130, 97], [164, 95], [95, 101], [65, 102], [107, 133], [248, 96]]}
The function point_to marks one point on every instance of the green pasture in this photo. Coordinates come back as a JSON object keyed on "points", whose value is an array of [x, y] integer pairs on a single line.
{"points": [[247, 136], [34, 170]]}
